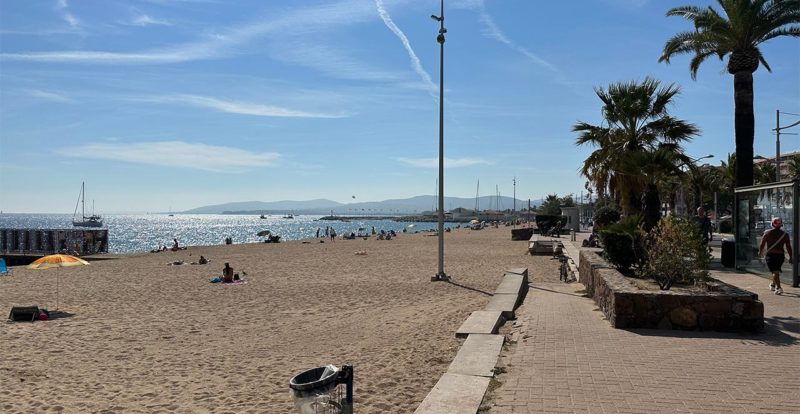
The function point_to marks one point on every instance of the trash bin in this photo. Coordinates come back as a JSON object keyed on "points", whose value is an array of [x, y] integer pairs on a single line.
{"points": [[314, 391], [728, 255]]}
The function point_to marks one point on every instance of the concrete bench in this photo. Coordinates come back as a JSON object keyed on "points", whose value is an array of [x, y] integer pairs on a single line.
{"points": [[455, 393], [505, 303], [477, 356], [481, 322]]}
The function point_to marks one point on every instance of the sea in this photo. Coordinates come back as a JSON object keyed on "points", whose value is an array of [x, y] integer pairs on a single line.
{"points": [[135, 233]]}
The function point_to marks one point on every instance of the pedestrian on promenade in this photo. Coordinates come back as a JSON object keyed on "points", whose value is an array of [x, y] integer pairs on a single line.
{"points": [[703, 224], [771, 248]]}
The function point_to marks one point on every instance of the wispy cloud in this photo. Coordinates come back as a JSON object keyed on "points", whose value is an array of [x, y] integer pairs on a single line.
{"points": [[494, 32], [176, 154], [448, 162], [235, 107], [48, 96], [298, 22], [62, 7], [328, 59], [143, 20], [415, 62]]}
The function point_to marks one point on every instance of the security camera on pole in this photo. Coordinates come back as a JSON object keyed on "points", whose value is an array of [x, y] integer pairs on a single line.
{"points": [[440, 275]]}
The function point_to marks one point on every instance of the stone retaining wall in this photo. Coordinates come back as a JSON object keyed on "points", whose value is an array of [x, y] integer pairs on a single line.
{"points": [[627, 306]]}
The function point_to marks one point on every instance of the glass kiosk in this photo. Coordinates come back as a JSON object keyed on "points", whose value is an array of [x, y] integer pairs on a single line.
{"points": [[755, 206]]}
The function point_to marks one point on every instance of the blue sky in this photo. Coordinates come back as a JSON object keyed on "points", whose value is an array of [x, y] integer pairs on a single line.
{"points": [[182, 103]]}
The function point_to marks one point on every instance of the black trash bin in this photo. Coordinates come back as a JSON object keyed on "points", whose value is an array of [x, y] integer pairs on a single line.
{"points": [[314, 391], [728, 255]]}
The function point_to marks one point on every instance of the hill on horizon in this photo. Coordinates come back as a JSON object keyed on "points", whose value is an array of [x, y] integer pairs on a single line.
{"points": [[412, 205]]}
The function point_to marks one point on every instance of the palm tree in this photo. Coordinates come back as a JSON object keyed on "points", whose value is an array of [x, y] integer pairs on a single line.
{"points": [[636, 119], [794, 167], [764, 173], [652, 169], [737, 32]]}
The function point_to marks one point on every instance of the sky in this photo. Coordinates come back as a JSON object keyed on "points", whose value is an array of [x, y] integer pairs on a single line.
{"points": [[176, 104]]}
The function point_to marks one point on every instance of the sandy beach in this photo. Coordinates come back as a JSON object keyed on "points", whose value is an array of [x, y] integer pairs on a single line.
{"points": [[150, 337]]}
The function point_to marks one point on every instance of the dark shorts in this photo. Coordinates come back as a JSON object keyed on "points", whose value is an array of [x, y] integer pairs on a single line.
{"points": [[774, 262]]}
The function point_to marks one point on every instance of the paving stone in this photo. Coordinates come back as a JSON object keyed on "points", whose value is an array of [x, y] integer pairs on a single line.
{"points": [[569, 359]]}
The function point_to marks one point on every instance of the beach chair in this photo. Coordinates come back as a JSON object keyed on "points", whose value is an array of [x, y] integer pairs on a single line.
{"points": [[3, 267]]}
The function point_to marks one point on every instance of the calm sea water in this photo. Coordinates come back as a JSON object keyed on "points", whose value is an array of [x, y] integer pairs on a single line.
{"points": [[141, 233]]}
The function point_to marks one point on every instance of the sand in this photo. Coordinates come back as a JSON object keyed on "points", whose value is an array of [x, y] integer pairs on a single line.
{"points": [[148, 337]]}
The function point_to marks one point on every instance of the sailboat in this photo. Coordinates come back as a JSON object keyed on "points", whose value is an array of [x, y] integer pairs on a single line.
{"points": [[91, 221]]}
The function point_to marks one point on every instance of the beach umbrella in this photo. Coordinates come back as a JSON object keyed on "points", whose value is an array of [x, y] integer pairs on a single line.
{"points": [[57, 260], [263, 233]]}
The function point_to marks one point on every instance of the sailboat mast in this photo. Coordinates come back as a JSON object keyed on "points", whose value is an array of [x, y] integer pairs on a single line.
{"points": [[83, 200], [477, 197]]}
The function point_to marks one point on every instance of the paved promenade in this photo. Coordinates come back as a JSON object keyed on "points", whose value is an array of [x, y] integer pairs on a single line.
{"points": [[568, 359]]}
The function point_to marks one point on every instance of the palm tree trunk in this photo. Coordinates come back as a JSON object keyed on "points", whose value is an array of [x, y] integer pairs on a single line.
{"points": [[745, 124], [652, 206]]}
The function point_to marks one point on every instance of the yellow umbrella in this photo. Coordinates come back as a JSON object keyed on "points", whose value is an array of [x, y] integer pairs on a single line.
{"points": [[57, 260]]}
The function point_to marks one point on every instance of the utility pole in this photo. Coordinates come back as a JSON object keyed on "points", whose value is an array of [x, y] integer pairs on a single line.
{"points": [[777, 145], [515, 195], [778, 129]]}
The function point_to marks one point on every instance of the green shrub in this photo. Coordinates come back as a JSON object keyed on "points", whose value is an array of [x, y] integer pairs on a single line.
{"points": [[606, 215], [725, 226], [623, 243], [676, 253]]}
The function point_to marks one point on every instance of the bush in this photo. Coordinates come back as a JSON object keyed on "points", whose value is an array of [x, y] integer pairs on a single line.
{"points": [[676, 253], [725, 226], [623, 243], [606, 215]]}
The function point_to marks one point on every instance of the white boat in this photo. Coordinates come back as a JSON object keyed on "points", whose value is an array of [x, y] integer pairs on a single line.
{"points": [[288, 216], [91, 221]]}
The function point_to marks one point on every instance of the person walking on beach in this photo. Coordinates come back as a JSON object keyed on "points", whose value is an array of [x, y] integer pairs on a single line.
{"points": [[327, 231], [771, 248], [333, 234], [175, 244], [318, 229]]}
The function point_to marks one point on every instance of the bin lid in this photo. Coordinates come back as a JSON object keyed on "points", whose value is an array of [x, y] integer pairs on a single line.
{"points": [[314, 378]]}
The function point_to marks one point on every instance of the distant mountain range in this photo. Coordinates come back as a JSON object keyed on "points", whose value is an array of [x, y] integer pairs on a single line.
{"points": [[411, 205]]}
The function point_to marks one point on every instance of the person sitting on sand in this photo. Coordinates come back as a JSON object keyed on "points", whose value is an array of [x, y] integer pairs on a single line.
{"points": [[227, 273], [202, 260]]}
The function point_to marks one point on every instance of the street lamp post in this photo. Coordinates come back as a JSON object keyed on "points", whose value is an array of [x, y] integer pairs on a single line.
{"points": [[440, 275]]}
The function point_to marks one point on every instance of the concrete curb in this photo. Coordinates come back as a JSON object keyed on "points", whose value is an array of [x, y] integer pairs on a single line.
{"points": [[462, 388]]}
